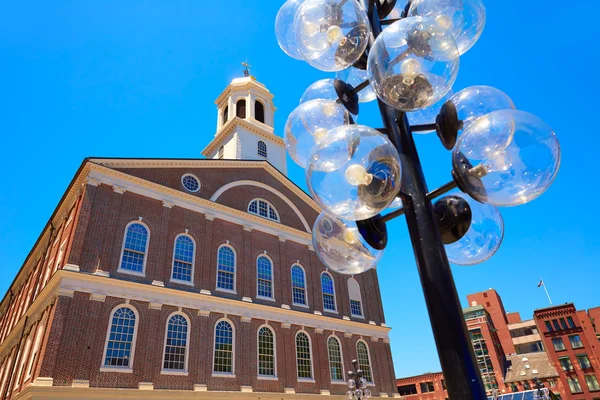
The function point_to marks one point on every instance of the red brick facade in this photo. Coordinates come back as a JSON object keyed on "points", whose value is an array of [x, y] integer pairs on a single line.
{"points": [[59, 334]]}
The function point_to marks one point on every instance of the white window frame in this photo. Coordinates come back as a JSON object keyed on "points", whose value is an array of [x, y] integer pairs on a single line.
{"points": [[129, 369], [185, 371], [359, 299], [336, 381], [312, 358], [190, 282], [126, 271], [272, 298], [214, 341], [39, 332], [372, 383], [323, 293], [269, 204], [266, 377], [196, 178], [305, 305], [234, 291]]}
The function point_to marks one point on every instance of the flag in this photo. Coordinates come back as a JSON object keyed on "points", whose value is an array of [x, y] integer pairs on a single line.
{"points": [[541, 283]]}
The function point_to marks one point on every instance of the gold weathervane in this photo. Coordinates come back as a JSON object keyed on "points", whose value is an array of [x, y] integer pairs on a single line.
{"points": [[246, 68]]}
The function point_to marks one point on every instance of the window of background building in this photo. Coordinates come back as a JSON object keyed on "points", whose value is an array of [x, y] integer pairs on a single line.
{"points": [[552, 383], [548, 326], [135, 247], [264, 209], [526, 385], [183, 259], [226, 269], [555, 324], [264, 271], [565, 363], [262, 149], [119, 345], [558, 344], [303, 356], [584, 361], [575, 341], [574, 384], [563, 323], [336, 367], [176, 344], [298, 286], [364, 362], [406, 390], [266, 352], [592, 382], [427, 387], [355, 298], [571, 323], [328, 292], [514, 387], [223, 356]]}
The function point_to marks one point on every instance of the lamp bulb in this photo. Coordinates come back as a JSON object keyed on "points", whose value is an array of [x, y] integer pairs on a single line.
{"points": [[410, 68], [350, 236], [357, 175], [443, 21], [320, 133], [329, 109], [334, 34]]}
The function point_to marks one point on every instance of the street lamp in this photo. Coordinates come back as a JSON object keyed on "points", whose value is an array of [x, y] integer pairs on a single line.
{"points": [[357, 384], [410, 58]]}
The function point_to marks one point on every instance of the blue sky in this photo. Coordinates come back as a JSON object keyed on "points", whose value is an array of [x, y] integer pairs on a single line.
{"points": [[138, 79]]}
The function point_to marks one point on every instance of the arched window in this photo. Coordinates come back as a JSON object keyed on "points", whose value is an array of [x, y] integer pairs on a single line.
{"points": [[336, 365], [220, 152], [176, 342], [264, 209], [226, 268], [262, 149], [303, 356], [183, 259], [241, 108], [264, 275], [120, 346], [135, 246], [223, 356], [259, 112], [364, 360], [328, 292], [225, 115], [266, 352], [355, 298], [298, 286]]}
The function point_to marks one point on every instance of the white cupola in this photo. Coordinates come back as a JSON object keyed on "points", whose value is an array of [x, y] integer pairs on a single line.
{"points": [[245, 125]]}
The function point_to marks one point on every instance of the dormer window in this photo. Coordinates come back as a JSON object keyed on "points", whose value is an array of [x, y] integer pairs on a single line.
{"points": [[264, 209], [262, 149], [259, 112]]}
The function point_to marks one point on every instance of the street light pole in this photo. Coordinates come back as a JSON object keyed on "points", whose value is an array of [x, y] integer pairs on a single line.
{"points": [[455, 351]]}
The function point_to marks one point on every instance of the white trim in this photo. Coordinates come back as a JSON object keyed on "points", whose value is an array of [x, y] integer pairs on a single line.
{"points": [[126, 271], [273, 377], [310, 348], [187, 346], [269, 204], [191, 281], [258, 296], [305, 305], [196, 178], [234, 291], [335, 311], [369, 356], [230, 185], [339, 342], [112, 368], [214, 341]]}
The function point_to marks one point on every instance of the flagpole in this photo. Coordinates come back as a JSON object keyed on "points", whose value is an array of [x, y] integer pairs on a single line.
{"points": [[546, 290]]}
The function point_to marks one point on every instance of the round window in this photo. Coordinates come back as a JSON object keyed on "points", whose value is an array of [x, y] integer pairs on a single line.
{"points": [[190, 183]]}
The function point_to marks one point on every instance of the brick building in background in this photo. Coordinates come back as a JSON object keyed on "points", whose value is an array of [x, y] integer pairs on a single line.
{"points": [[190, 279], [560, 346]]}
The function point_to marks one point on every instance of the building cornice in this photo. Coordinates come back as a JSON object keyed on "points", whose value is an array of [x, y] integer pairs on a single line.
{"points": [[264, 131], [178, 198], [241, 85]]}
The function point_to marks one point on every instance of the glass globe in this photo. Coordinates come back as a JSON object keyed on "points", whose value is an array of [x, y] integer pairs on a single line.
{"points": [[355, 77], [476, 101], [506, 158], [427, 115], [350, 395], [464, 19], [341, 247], [358, 394], [351, 382], [331, 34], [367, 393], [483, 238], [322, 89], [398, 10], [308, 124], [397, 203], [362, 383], [354, 172], [413, 64], [284, 28]]}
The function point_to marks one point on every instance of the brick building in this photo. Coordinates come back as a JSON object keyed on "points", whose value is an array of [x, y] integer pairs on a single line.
{"points": [[179, 278], [560, 346]]}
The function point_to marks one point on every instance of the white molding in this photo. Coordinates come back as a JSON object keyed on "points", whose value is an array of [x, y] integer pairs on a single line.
{"points": [[71, 267], [203, 313], [247, 299], [285, 307], [92, 181], [99, 272], [200, 387], [289, 391], [119, 189], [98, 297], [286, 325], [155, 306], [276, 192], [248, 228], [158, 283], [267, 378], [246, 389], [282, 238], [319, 331], [145, 386], [174, 373], [347, 335], [210, 217], [116, 369], [168, 204], [205, 292], [325, 392], [347, 318], [222, 375], [43, 381], [246, 319], [66, 292], [80, 383]]}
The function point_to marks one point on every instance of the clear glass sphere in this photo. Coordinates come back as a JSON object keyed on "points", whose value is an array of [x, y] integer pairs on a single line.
{"points": [[397, 203], [354, 172], [483, 238], [284, 28], [331, 34], [355, 77], [506, 158], [476, 101], [308, 124], [427, 115], [367, 394], [464, 19], [350, 395], [321, 89], [398, 10], [341, 247], [413, 64], [358, 394], [362, 383], [351, 382]]}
